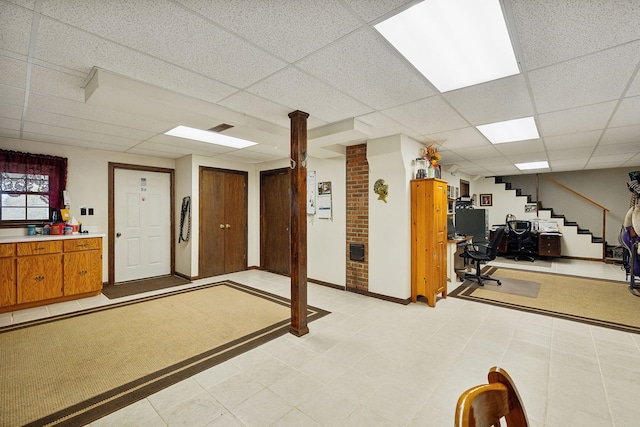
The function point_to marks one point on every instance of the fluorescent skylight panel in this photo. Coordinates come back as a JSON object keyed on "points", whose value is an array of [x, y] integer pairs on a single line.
{"points": [[510, 130], [454, 43], [210, 137], [532, 165]]}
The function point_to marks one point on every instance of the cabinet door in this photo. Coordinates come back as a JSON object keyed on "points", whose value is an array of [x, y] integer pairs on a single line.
{"points": [[39, 277], [8, 291], [82, 272]]}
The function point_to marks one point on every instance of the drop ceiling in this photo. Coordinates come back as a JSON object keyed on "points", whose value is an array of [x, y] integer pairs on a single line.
{"points": [[116, 75]]}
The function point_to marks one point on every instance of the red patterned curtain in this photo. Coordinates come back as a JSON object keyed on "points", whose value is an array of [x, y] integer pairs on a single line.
{"points": [[38, 164]]}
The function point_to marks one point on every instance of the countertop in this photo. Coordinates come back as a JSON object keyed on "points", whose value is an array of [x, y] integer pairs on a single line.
{"points": [[45, 237]]}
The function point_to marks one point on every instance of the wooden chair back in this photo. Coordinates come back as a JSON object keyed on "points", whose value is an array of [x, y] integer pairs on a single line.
{"points": [[484, 405]]}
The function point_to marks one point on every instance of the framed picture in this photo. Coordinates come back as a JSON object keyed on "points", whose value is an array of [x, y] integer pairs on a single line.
{"points": [[486, 200]]}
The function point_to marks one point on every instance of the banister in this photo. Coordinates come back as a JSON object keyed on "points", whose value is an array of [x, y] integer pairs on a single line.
{"points": [[574, 192], [604, 210]]}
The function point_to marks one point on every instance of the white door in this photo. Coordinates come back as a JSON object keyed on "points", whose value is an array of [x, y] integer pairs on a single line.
{"points": [[142, 224]]}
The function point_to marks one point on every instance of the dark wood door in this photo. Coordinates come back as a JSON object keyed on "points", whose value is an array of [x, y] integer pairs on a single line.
{"points": [[275, 210], [223, 222]]}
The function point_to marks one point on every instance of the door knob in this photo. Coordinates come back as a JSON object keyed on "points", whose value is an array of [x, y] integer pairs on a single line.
{"points": [[221, 225], [118, 234], [228, 226]]}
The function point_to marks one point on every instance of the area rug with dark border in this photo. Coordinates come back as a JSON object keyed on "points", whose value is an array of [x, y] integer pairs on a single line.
{"points": [[606, 303], [74, 368], [144, 285]]}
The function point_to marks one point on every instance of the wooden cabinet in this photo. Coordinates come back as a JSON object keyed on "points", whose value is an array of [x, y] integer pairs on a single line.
{"points": [[82, 266], [549, 245], [428, 239], [8, 292], [43, 272]]}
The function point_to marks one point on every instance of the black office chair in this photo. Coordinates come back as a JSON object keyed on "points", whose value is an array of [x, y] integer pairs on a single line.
{"points": [[480, 252], [520, 240]]}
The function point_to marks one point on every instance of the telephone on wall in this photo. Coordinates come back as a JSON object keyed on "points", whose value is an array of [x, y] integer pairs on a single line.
{"points": [[185, 213]]}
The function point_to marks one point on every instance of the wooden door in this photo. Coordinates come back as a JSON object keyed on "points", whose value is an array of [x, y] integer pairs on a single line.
{"points": [[235, 221], [223, 222], [275, 208]]}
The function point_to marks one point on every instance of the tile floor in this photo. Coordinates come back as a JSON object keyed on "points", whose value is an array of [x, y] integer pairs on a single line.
{"points": [[376, 363]]}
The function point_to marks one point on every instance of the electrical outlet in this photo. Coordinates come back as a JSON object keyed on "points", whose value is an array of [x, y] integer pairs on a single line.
{"points": [[90, 211], [83, 211]]}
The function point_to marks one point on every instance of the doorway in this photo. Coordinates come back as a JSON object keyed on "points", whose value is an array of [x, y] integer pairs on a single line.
{"points": [[275, 215], [141, 211], [222, 227]]}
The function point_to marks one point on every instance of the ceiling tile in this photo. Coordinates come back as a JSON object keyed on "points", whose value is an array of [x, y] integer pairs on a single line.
{"points": [[555, 31], [372, 10], [50, 103], [9, 123], [570, 141], [81, 51], [494, 101], [167, 31], [64, 121], [520, 148], [252, 105], [576, 153], [11, 96], [604, 150], [43, 134], [621, 135], [16, 28], [56, 83], [581, 119], [365, 67], [288, 29], [13, 72], [89, 137], [461, 139], [11, 111], [428, 116], [627, 113], [586, 80], [569, 164], [301, 91]]}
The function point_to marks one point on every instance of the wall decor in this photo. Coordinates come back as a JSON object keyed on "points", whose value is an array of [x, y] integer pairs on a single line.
{"points": [[486, 200], [381, 189]]}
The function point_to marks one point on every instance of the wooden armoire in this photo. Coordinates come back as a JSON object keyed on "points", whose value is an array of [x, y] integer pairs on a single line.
{"points": [[428, 239]]}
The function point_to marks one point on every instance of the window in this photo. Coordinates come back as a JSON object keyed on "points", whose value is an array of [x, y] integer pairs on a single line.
{"points": [[31, 187]]}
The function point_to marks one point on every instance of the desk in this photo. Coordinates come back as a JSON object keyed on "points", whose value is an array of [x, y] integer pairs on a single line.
{"points": [[454, 261], [547, 244]]}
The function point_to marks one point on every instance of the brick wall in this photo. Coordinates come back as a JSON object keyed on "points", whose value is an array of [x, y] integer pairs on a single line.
{"points": [[358, 215]]}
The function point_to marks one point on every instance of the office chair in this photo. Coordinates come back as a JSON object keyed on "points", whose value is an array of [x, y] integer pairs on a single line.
{"points": [[483, 252], [520, 239], [484, 405]]}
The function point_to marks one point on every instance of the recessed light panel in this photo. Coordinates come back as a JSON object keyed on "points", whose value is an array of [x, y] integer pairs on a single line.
{"points": [[210, 137], [532, 165], [454, 43], [510, 130]]}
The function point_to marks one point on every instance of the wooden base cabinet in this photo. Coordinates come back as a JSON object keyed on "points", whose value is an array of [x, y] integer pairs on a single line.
{"points": [[82, 266], [8, 294], [44, 272], [428, 239]]}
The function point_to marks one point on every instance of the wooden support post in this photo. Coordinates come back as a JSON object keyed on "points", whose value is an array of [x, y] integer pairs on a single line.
{"points": [[298, 225]]}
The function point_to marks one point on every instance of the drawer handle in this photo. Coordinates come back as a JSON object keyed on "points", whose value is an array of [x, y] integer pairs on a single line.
{"points": [[38, 278], [82, 273], [83, 245], [39, 249]]}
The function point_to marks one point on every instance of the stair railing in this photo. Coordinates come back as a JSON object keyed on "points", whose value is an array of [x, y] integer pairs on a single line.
{"points": [[604, 210]]}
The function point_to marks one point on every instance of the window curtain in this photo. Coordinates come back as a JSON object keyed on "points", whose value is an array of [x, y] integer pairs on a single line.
{"points": [[39, 164]]}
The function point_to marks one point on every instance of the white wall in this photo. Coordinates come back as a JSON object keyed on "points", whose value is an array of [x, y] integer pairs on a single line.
{"points": [[390, 158], [326, 239], [87, 181]]}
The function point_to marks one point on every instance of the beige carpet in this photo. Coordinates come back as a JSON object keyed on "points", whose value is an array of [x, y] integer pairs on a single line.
{"points": [[73, 369], [597, 302]]}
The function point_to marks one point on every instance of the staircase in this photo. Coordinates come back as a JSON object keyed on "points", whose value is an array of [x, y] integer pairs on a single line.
{"points": [[577, 242]]}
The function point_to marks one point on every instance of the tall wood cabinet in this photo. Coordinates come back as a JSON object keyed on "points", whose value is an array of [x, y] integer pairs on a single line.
{"points": [[428, 239]]}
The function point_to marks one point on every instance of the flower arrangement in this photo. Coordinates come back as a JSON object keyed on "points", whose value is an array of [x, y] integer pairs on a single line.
{"points": [[431, 154]]}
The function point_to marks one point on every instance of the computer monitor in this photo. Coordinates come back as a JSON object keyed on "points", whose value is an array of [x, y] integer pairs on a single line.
{"points": [[451, 227]]}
